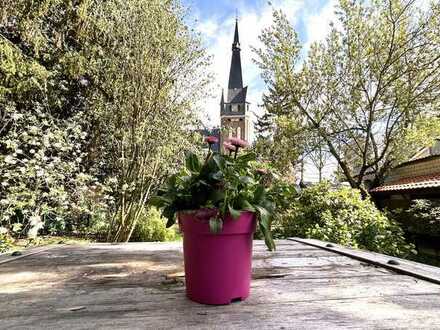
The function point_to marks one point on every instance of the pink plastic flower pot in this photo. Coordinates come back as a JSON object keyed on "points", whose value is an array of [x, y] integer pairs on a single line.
{"points": [[218, 267]]}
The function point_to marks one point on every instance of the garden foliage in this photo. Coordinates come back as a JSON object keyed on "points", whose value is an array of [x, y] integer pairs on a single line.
{"points": [[422, 217], [151, 227], [342, 216], [89, 90]]}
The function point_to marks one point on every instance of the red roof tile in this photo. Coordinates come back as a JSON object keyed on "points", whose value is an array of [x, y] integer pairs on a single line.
{"points": [[417, 182]]}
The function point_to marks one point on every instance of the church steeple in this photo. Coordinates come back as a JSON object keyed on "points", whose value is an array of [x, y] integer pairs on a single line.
{"points": [[234, 108], [235, 74], [236, 43]]}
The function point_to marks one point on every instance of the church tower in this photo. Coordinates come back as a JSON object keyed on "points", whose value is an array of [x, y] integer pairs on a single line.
{"points": [[234, 111]]}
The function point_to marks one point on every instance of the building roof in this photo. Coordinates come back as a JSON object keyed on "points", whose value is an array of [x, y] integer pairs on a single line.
{"points": [[410, 183], [237, 95], [235, 73], [418, 173]]}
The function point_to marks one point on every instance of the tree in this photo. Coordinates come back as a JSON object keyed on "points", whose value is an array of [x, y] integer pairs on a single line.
{"points": [[363, 88], [43, 116], [273, 143], [152, 76], [317, 152], [96, 107]]}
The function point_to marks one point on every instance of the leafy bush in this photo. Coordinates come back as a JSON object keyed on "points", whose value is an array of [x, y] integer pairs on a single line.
{"points": [[151, 228], [284, 194], [423, 217], [5, 240], [45, 123], [342, 216]]}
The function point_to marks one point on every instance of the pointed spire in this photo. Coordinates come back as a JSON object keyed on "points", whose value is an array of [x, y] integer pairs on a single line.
{"points": [[235, 74], [236, 43], [222, 100]]}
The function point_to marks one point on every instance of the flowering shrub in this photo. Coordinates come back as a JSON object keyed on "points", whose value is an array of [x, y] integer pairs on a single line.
{"points": [[42, 182], [221, 185]]}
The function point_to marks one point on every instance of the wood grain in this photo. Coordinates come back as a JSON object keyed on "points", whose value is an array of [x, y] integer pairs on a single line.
{"points": [[141, 286]]}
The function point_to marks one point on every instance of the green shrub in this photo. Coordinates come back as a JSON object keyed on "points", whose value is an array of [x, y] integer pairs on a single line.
{"points": [[342, 216], [5, 240], [151, 228], [423, 217], [284, 194]]}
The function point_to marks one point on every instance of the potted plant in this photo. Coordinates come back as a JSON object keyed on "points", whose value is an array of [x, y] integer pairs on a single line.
{"points": [[217, 203]]}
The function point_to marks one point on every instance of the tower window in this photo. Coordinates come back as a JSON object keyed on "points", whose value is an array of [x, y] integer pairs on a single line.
{"points": [[239, 108]]}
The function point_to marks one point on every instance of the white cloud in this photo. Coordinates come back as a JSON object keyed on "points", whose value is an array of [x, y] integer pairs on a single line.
{"points": [[218, 34], [318, 23]]}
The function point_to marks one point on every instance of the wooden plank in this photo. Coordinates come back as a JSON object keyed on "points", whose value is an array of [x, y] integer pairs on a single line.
{"points": [[140, 285], [7, 257], [328, 272], [341, 314], [402, 266], [134, 308]]}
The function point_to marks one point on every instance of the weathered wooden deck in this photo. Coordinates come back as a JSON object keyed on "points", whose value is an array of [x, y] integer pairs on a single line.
{"points": [[140, 286]]}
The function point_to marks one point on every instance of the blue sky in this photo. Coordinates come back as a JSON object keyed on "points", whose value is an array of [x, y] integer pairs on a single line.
{"points": [[215, 21]]}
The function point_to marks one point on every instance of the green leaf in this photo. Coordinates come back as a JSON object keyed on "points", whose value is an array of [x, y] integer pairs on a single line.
{"points": [[235, 214], [159, 201], [216, 196], [219, 160], [171, 183], [245, 205], [246, 180], [170, 214], [259, 194], [250, 156], [192, 162], [215, 225], [217, 175], [269, 240], [263, 216]]}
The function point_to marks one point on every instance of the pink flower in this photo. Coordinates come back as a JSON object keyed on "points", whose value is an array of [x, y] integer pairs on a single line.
{"points": [[229, 147], [239, 143], [211, 139]]}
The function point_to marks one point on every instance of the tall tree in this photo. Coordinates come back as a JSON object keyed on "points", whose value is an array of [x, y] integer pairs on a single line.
{"points": [[152, 75], [364, 87], [273, 143], [43, 116], [96, 106]]}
